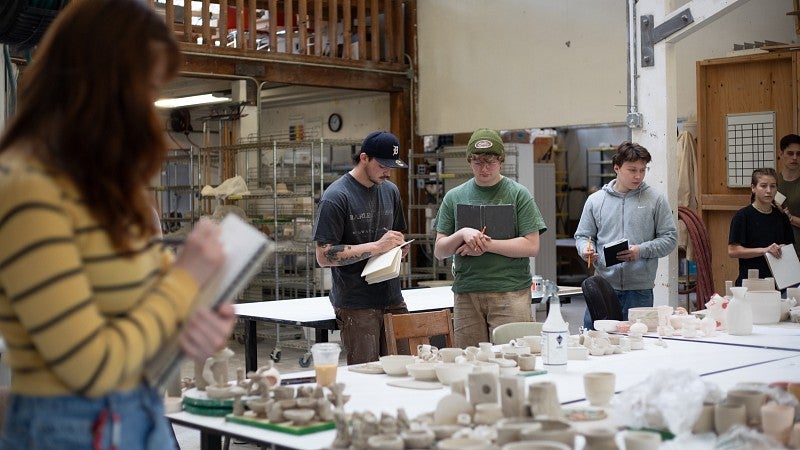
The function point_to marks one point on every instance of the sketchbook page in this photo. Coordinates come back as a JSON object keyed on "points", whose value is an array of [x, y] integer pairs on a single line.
{"points": [[786, 269], [393, 271], [245, 250], [379, 264], [611, 249]]}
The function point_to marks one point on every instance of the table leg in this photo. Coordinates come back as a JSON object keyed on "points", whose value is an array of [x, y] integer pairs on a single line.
{"points": [[250, 346], [321, 335], [210, 440]]}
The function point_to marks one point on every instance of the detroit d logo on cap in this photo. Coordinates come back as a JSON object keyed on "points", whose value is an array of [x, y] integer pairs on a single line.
{"points": [[395, 150], [483, 143]]}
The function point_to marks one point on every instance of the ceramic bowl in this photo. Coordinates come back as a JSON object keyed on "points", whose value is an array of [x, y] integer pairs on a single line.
{"points": [[647, 314], [396, 364], [299, 417], [422, 371], [609, 326], [450, 372]]}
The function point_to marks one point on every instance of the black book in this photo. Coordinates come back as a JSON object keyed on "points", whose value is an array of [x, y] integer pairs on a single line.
{"points": [[611, 249], [500, 220]]}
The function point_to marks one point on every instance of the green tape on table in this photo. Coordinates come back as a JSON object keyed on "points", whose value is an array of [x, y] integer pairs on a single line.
{"points": [[201, 411], [283, 427]]}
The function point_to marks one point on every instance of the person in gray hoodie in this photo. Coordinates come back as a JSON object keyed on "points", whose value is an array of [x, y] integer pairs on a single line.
{"points": [[627, 208]]}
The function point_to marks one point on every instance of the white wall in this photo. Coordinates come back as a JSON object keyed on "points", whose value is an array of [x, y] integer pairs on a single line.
{"points": [[520, 63], [756, 20], [360, 116]]}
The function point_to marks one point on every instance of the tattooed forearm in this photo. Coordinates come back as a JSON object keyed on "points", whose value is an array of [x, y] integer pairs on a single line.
{"points": [[334, 254]]}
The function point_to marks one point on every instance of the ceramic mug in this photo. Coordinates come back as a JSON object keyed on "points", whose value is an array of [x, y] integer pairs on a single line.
{"points": [[642, 440], [752, 401], [777, 421], [727, 415], [599, 387]]}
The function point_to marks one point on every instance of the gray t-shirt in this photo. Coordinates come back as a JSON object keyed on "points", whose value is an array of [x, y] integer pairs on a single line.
{"points": [[350, 213]]}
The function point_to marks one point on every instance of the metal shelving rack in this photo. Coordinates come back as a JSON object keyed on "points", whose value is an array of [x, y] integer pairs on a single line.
{"points": [[285, 179], [603, 167]]}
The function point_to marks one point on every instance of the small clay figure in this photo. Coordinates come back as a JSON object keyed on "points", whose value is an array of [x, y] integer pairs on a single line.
{"points": [[342, 439], [215, 370]]}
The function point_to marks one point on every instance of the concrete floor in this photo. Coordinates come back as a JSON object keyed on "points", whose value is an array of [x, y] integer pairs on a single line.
{"points": [[293, 346]]}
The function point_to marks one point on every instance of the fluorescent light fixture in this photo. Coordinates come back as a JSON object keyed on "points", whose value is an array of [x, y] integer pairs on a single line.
{"points": [[193, 100]]}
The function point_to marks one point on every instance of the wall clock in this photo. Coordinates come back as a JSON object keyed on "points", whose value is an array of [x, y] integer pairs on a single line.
{"points": [[335, 122]]}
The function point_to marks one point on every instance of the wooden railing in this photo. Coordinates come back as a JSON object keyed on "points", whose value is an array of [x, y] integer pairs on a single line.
{"points": [[363, 30]]}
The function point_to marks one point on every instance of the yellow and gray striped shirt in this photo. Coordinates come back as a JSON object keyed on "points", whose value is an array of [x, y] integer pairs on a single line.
{"points": [[77, 316]]}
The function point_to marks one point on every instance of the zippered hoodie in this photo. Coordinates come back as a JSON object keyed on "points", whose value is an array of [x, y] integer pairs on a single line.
{"points": [[644, 217]]}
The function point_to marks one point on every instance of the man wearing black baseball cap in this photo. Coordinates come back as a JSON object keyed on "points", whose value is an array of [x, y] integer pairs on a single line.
{"points": [[360, 215]]}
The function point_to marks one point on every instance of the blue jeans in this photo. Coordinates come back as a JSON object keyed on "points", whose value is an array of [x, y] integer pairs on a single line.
{"points": [[627, 299], [128, 419]]}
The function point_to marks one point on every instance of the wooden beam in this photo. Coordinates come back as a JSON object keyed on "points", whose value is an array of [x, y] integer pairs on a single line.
{"points": [[298, 70]]}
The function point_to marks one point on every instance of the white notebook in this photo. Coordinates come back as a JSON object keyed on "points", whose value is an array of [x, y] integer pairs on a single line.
{"points": [[384, 266], [786, 269], [245, 250]]}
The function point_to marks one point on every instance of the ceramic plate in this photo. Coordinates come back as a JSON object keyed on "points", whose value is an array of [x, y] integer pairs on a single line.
{"points": [[414, 384], [370, 367], [585, 414]]}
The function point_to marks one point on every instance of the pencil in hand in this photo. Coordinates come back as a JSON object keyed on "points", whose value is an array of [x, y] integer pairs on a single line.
{"points": [[589, 259]]}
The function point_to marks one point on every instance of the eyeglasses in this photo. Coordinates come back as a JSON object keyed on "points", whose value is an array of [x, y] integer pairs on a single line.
{"points": [[484, 164]]}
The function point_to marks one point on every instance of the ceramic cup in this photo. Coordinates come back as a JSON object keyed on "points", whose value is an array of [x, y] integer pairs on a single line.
{"points": [[642, 440], [727, 415], [777, 421], [599, 387], [543, 400], [326, 360], [752, 401], [705, 420], [526, 362], [449, 354], [534, 342]]}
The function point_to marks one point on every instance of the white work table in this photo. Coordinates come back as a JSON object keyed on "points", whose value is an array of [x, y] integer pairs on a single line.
{"points": [[317, 313], [779, 336], [724, 364]]}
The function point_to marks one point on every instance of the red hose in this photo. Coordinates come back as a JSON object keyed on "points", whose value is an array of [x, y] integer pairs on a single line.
{"points": [[698, 234]]}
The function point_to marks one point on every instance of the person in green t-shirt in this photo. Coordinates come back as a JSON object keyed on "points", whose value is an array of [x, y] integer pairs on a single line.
{"points": [[789, 183], [492, 284]]}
